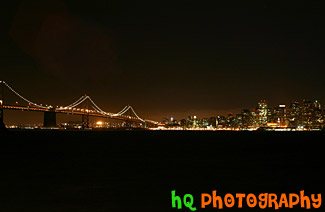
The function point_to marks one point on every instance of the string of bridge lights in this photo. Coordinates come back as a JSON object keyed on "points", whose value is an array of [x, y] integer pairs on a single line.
{"points": [[26, 100], [126, 108], [76, 103], [136, 114], [122, 111], [73, 104], [98, 108]]}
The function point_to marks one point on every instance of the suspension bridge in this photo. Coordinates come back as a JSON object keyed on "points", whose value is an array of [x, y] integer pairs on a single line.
{"points": [[84, 106]]}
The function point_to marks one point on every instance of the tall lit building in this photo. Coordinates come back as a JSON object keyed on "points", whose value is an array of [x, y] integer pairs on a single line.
{"points": [[213, 122], [270, 114], [317, 117], [239, 121], [317, 105], [262, 112], [294, 114], [204, 123], [246, 118], [280, 115], [306, 113], [221, 121], [254, 118], [230, 120]]}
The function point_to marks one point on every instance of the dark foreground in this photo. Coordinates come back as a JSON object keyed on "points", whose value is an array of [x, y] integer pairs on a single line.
{"points": [[136, 171]]}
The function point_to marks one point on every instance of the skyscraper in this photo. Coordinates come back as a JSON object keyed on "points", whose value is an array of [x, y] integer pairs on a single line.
{"points": [[294, 114], [262, 112], [317, 117], [280, 115], [306, 113], [246, 118]]}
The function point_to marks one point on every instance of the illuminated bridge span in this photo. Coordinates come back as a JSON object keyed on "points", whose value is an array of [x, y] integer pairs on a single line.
{"points": [[84, 106]]}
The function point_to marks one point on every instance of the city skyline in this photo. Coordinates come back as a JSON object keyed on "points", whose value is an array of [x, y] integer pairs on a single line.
{"points": [[297, 114]]}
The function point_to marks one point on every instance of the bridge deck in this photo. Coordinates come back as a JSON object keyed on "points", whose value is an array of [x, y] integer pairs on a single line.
{"points": [[74, 111]]}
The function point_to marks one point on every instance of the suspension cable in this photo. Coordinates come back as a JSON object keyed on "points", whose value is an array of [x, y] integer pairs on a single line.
{"points": [[26, 100], [123, 110], [136, 114]]}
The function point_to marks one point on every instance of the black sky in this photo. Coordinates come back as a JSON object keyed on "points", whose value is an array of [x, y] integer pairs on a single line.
{"points": [[162, 57]]}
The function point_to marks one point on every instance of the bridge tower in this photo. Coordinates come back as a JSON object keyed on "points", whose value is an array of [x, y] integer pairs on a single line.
{"points": [[85, 121], [128, 122], [2, 125], [49, 119], [1, 112], [131, 119], [85, 116]]}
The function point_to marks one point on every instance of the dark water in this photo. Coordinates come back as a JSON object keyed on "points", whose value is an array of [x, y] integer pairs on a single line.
{"points": [[136, 171]]}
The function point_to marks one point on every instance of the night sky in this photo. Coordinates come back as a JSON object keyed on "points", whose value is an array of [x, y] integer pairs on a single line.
{"points": [[164, 58]]}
